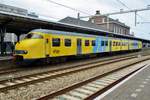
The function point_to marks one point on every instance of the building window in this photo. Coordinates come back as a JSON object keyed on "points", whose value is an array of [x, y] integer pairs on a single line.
{"points": [[92, 20], [67, 42], [103, 20], [56, 42], [120, 31], [117, 29], [114, 29], [87, 43]]}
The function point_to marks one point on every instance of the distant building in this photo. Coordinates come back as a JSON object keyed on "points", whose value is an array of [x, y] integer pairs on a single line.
{"points": [[32, 14], [75, 21], [9, 41], [16, 10], [12, 9], [110, 24]]}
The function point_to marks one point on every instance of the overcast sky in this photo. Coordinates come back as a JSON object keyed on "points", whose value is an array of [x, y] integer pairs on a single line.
{"points": [[57, 12]]}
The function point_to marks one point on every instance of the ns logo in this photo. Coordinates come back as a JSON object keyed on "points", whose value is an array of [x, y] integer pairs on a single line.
{"points": [[56, 51]]}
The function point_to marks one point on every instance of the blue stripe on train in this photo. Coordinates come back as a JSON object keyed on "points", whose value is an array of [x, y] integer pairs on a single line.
{"points": [[99, 47], [96, 47]]}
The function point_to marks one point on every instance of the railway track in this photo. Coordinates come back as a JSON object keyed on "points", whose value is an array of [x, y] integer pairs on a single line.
{"points": [[27, 80], [16, 83], [39, 77], [13, 69], [92, 87]]}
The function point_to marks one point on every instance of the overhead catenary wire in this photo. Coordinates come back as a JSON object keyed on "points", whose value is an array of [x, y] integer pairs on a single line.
{"points": [[77, 10], [123, 4], [135, 15]]}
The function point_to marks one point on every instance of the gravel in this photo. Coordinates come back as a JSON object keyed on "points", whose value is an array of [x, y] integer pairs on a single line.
{"points": [[37, 90]]}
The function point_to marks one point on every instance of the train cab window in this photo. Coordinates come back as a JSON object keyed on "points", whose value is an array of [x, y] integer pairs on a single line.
{"points": [[87, 43], [93, 43], [33, 36], [67, 42], [102, 43], [56, 42]]}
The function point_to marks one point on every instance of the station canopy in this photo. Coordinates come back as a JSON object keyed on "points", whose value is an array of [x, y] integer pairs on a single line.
{"points": [[21, 24]]}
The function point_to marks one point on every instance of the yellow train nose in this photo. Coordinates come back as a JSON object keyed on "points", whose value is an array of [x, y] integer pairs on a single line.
{"points": [[30, 48]]}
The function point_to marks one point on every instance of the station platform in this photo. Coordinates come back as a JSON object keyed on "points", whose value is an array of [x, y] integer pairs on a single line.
{"points": [[135, 87], [3, 58]]}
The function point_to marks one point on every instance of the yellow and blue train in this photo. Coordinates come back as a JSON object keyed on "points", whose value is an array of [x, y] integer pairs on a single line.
{"points": [[43, 44]]}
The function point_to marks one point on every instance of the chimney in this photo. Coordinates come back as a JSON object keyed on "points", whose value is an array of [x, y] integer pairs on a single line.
{"points": [[97, 12]]}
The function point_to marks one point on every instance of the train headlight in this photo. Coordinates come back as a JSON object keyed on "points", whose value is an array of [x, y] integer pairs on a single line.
{"points": [[21, 52]]}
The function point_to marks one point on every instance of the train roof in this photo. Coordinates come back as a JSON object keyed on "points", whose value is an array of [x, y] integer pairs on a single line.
{"points": [[65, 33], [61, 32]]}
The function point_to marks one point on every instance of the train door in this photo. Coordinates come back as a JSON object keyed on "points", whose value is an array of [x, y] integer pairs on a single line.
{"points": [[110, 45], [79, 46], [121, 44], [101, 44], [47, 46]]}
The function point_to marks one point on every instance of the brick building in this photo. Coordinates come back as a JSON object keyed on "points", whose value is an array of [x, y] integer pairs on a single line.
{"points": [[110, 24], [78, 22]]}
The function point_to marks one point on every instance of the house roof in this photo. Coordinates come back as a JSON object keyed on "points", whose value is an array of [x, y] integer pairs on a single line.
{"points": [[75, 21]]}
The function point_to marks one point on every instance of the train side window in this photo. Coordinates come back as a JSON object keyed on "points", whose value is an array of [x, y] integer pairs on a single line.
{"points": [[93, 43], [118, 43], [114, 43], [67, 42], [106, 43], [102, 43], [46, 40], [87, 43], [56, 42]]}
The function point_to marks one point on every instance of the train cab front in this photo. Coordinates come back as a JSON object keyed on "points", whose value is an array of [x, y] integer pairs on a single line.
{"points": [[29, 49]]}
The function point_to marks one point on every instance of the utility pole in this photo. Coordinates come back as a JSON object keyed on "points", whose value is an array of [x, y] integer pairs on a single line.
{"points": [[123, 12], [107, 23], [135, 17], [78, 18]]}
